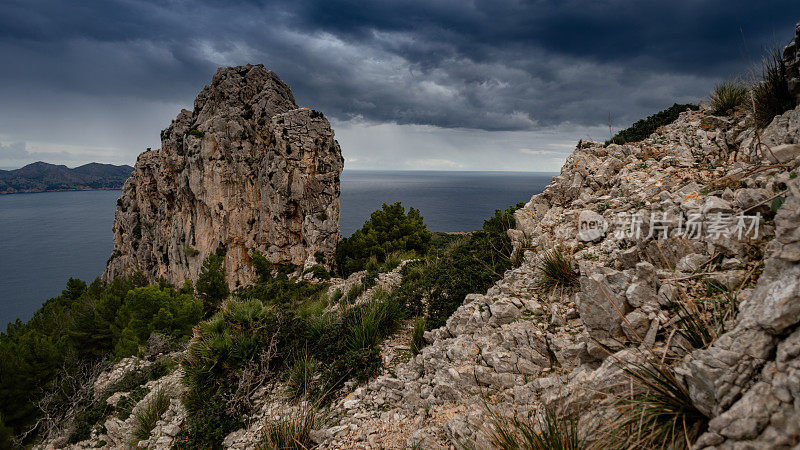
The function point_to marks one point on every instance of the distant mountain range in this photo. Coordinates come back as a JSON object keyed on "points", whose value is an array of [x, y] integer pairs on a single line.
{"points": [[44, 177]]}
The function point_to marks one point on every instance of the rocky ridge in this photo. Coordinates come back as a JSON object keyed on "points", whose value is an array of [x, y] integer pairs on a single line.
{"points": [[246, 170]]}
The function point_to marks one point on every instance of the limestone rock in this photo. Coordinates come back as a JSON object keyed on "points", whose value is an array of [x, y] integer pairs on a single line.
{"points": [[245, 170]]}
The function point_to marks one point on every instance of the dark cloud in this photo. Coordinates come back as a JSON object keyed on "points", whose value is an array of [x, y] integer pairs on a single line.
{"points": [[490, 65]]}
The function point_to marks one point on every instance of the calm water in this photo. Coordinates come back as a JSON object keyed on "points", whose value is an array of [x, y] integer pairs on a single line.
{"points": [[47, 238]]}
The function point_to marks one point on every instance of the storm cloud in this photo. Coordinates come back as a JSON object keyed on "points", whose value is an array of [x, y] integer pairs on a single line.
{"points": [[423, 84]]}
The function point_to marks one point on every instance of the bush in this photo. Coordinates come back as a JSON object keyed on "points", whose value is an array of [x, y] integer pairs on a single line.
{"points": [[150, 310], [370, 322], [86, 419], [212, 287], [468, 264], [209, 423], [641, 129], [555, 270], [145, 418], [771, 95], [417, 336], [235, 335], [81, 327], [727, 96], [319, 272], [387, 230]]}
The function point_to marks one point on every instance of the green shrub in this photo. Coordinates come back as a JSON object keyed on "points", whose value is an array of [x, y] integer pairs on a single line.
{"points": [[145, 418], [86, 418], [555, 270], [642, 129], [368, 323], [151, 309], [701, 323], [418, 336], [465, 265], [262, 265], [212, 287], [319, 272], [196, 132], [727, 96], [84, 325], [209, 422], [771, 95], [291, 432], [552, 431], [387, 230], [127, 402]]}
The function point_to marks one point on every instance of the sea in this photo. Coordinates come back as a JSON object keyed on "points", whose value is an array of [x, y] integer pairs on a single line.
{"points": [[46, 238]]}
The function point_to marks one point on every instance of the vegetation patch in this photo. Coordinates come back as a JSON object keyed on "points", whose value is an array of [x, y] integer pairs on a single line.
{"points": [[642, 129]]}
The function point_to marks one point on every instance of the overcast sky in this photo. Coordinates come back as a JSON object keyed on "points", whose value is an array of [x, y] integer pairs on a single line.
{"points": [[429, 84]]}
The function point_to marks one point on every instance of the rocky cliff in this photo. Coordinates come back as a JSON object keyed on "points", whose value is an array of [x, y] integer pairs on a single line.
{"points": [[245, 170]]}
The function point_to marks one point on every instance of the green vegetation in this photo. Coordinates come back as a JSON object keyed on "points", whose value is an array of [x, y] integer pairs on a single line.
{"points": [[550, 432], [211, 286], [146, 417], [78, 329], [555, 270], [643, 128], [771, 95], [292, 432], [468, 264], [387, 230], [196, 132], [277, 328], [301, 375], [658, 414], [727, 96], [418, 336]]}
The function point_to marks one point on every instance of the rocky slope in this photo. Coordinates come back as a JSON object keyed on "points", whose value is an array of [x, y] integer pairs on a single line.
{"points": [[717, 207], [44, 177], [514, 349], [245, 170]]}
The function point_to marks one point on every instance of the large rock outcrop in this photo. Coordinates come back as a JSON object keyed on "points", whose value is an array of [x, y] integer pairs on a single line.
{"points": [[246, 170]]}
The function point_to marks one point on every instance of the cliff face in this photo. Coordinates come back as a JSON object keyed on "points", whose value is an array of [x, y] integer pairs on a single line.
{"points": [[246, 169]]}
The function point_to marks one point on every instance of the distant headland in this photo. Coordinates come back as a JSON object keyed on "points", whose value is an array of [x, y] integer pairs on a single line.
{"points": [[44, 177]]}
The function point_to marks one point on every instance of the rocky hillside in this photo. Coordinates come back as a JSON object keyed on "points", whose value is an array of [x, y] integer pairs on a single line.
{"points": [[246, 170], [44, 177], [654, 303]]}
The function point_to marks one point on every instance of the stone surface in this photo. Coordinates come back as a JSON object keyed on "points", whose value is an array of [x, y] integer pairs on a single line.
{"points": [[245, 170]]}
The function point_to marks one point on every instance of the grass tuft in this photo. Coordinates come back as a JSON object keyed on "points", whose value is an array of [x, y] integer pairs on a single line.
{"points": [[555, 270], [727, 96], [291, 432], [701, 324], [659, 414], [418, 336], [372, 321], [145, 419], [301, 375], [552, 431], [771, 95]]}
